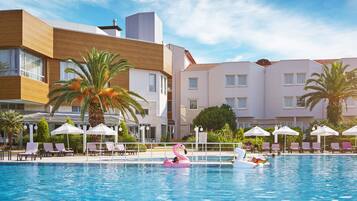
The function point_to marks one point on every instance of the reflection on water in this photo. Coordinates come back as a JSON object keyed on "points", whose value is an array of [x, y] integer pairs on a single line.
{"points": [[288, 178]]}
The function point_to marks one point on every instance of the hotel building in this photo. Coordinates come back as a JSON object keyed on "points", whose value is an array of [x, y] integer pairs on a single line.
{"points": [[33, 55]]}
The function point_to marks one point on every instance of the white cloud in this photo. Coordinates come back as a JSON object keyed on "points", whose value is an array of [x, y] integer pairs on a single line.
{"points": [[255, 24]]}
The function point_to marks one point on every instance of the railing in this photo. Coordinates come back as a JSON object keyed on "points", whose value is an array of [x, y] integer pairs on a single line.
{"points": [[156, 152]]}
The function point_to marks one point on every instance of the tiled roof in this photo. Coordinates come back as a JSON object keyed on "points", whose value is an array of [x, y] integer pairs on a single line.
{"points": [[200, 67], [325, 61]]}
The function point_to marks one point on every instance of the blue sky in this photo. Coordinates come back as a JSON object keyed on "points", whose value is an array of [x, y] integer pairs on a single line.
{"points": [[227, 30]]}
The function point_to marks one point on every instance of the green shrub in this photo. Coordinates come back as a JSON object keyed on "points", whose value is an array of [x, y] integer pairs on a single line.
{"points": [[43, 133], [214, 118]]}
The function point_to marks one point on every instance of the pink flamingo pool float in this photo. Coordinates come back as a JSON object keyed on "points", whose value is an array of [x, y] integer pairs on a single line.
{"points": [[182, 160]]}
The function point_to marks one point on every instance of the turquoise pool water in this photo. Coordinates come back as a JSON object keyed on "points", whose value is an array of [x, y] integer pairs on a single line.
{"points": [[289, 178]]}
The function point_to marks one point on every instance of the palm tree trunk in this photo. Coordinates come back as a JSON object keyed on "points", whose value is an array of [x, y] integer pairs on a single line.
{"points": [[334, 112], [9, 136], [96, 115]]}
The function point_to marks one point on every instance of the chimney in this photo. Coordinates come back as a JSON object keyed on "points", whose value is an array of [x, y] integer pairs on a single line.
{"points": [[113, 30]]}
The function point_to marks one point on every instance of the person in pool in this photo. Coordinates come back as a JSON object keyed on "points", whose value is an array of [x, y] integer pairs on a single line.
{"points": [[175, 160]]}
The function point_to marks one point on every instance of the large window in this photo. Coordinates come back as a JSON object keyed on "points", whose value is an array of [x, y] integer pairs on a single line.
{"points": [[193, 83], [152, 82], [230, 102], [31, 66], [8, 62], [67, 76], [242, 103], [288, 78], [76, 109], [288, 101], [230, 80], [193, 104], [242, 80], [163, 85], [300, 78]]}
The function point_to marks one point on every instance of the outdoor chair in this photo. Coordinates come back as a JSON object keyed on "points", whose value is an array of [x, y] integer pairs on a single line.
{"points": [[266, 146], [31, 151], [123, 150], [111, 148], [49, 151], [294, 146], [60, 147], [335, 146], [316, 146], [92, 149], [305, 146], [275, 148], [347, 146]]}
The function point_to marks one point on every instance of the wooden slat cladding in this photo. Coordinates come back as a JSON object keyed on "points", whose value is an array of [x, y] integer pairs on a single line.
{"points": [[11, 28], [10, 88], [37, 35], [22, 88], [53, 67], [33, 90], [143, 55]]}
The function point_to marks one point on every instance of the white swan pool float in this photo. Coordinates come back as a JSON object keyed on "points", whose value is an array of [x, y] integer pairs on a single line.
{"points": [[242, 162]]}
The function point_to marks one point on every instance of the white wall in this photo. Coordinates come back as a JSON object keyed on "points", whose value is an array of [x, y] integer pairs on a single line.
{"points": [[157, 101]]}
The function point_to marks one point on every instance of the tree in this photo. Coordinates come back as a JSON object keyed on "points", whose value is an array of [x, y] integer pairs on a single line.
{"points": [[214, 118], [11, 123], [124, 128], [69, 121], [43, 133], [335, 84], [92, 88]]}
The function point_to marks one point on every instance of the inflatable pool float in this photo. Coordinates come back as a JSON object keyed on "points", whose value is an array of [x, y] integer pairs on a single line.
{"points": [[255, 162], [181, 161]]}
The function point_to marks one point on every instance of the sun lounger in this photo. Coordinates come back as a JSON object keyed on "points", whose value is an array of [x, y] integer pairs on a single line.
{"points": [[266, 146], [31, 151], [294, 146], [60, 147], [48, 149], [111, 148], [347, 146], [305, 146], [275, 148], [122, 150], [316, 146], [92, 149], [335, 146]]}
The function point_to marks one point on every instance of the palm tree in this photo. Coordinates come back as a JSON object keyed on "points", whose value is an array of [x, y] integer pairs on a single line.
{"points": [[11, 123], [92, 89], [335, 84]]}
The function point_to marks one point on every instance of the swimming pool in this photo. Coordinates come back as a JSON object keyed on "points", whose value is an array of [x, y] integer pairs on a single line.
{"points": [[289, 178]]}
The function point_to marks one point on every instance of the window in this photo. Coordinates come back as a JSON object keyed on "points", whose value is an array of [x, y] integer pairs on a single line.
{"points": [[7, 62], [68, 76], [146, 112], [76, 109], [152, 82], [162, 84], [192, 83], [31, 66], [230, 102], [230, 80], [350, 102], [19, 62], [242, 80], [11, 106], [288, 101], [193, 104], [242, 103], [288, 78], [300, 102], [300, 78], [165, 85]]}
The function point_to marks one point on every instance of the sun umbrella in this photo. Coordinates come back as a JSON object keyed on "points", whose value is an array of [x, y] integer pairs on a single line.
{"points": [[285, 130], [256, 131], [323, 131], [101, 130], [351, 132], [67, 129]]}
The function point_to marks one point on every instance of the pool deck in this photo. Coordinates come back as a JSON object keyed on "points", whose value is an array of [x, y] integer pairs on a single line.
{"points": [[153, 158]]}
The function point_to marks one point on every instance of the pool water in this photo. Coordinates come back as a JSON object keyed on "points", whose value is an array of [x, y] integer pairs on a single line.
{"points": [[289, 178]]}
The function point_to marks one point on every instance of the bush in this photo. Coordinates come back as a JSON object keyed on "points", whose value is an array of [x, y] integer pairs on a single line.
{"points": [[214, 118], [43, 133], [124, 136]]}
